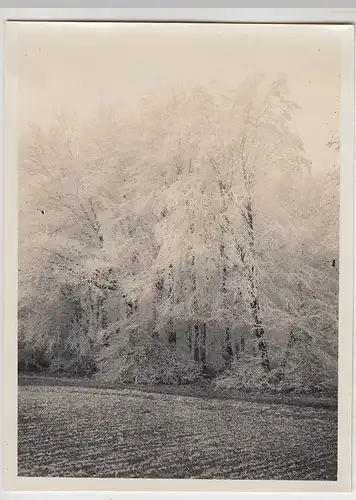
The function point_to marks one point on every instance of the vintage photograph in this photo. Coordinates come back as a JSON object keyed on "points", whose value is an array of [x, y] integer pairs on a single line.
{"points": [[178, 250]]}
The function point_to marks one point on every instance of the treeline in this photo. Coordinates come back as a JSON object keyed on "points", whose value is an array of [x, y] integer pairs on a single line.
{"points": [[191, 239]]}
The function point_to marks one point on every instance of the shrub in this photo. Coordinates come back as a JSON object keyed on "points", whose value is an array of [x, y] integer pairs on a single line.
{"points": [[32, 359], [141, 360], [307, 370]]}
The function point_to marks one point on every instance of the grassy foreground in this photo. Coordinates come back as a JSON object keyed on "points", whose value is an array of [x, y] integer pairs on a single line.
{"points": [[91, 432]]}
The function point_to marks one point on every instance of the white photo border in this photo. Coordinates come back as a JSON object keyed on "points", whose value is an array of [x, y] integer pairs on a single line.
{"points": [[347, 210]]}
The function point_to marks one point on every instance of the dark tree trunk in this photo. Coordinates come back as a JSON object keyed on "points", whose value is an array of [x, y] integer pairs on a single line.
{"points": [[103, 306], [98, 313], [76, 309], [237, 350], [190, 340], [242, 342], [102, 314], [291, 341], [154, 333], [199, 346], [255, 304], [131, 304], [196, 343], [159, 286], [228, 353], [203, 352], [78, 319], [260, 334], [171, 334], [196, 339]]}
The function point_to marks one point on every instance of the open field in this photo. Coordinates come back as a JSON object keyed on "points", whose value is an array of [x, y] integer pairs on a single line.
{"points": [[88, 432]]}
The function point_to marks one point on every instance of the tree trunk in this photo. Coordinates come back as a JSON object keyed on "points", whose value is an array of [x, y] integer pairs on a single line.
{"points": [[260, 334], [103, 304], [159, 285], [104, 317], [196, 343], [242, 342], [200, 350], [171, 334], [196, 339], [291, 341], [237, 350], [255, 304], [203, 348], [190, 340], [199, 329], [228, 353], [249, 218]]}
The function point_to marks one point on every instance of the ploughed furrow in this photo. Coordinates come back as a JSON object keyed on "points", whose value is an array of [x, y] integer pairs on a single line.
{"points": [[66, 432]]}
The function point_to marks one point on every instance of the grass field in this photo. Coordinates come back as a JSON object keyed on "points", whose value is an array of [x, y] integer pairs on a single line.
{"points": [[87, 432]]}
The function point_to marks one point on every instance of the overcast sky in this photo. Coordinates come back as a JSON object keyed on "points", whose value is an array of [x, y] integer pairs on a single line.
{"points": [[76, 66]]}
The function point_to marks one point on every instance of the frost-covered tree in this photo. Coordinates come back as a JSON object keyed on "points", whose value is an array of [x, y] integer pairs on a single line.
{"points": [[185, 235]]}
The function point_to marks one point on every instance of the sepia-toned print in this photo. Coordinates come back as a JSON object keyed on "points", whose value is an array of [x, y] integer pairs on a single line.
{"points": [[178, 251]]}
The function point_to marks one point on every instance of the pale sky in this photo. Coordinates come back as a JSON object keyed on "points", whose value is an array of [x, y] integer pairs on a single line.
{"points": [[75, 66]]}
